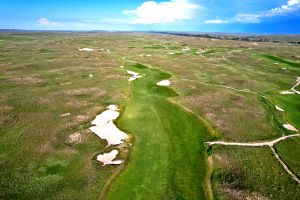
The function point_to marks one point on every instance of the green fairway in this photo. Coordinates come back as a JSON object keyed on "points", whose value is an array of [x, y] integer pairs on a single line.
{"points": [[168, 159]]}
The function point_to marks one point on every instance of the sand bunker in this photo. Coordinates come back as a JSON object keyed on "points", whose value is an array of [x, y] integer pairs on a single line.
{"points": [[106, 129], [164, 83], [107, 158], [86, 49], [290, 127], [134, 75], [278, 108], [171, 53]]}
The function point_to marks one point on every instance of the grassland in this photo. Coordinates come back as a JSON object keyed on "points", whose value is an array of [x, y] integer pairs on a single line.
{"points": [[232, 86]]}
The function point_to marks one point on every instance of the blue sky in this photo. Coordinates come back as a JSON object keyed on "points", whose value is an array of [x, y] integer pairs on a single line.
{"points": [[243, 16]]}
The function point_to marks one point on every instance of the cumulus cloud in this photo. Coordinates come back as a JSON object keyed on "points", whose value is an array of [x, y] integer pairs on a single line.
{"points": [[46, 22], [216, 21], [247, 18], [151, 12], [290, 6]]}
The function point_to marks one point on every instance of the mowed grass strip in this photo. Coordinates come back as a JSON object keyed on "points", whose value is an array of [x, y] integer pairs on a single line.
{"points": [[168, 159]]}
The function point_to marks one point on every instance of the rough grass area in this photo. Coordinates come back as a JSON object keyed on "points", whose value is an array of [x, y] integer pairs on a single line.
{"points": [[289, 152], [250, 173], [42, 78]]}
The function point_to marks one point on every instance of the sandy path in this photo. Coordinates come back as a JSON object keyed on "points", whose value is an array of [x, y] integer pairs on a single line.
{"points": [[286, 168], [261, 144], [298, 83], [241, 90], [254, 144]]}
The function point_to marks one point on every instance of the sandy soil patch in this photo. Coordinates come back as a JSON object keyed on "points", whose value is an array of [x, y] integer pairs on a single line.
{"points": [[242, 194], [164, 83], [82, 118], [278, 108], [186, 49], [77, 103], [87, 91], [26, 80], [104, 127], [75, 138], [134, 75], [65, 114], [86, 49], [290, 127], [108, 158]]}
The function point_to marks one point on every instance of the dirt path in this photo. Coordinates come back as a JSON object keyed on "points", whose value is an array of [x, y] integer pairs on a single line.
{"points": [[254, 144], [298, 83], [261, 144], [286, 168]]}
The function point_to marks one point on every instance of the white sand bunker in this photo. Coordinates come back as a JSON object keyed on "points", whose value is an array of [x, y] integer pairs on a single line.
{"points": [[278, 108], [134, 75], [107, 158], [290, 127], [86, 49], [164, 83], [106, 129]]}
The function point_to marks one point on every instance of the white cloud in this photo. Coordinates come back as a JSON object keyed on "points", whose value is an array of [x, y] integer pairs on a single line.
{"points": [[290, 6], [46, 22], [216, 21], [151, 12], [247, 18]]}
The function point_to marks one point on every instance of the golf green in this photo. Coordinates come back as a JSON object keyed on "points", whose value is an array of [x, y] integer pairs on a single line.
{"points": [[168, 159]]}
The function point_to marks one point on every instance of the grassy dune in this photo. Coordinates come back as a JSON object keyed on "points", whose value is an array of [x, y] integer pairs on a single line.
{"points": [[168, 158]]}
